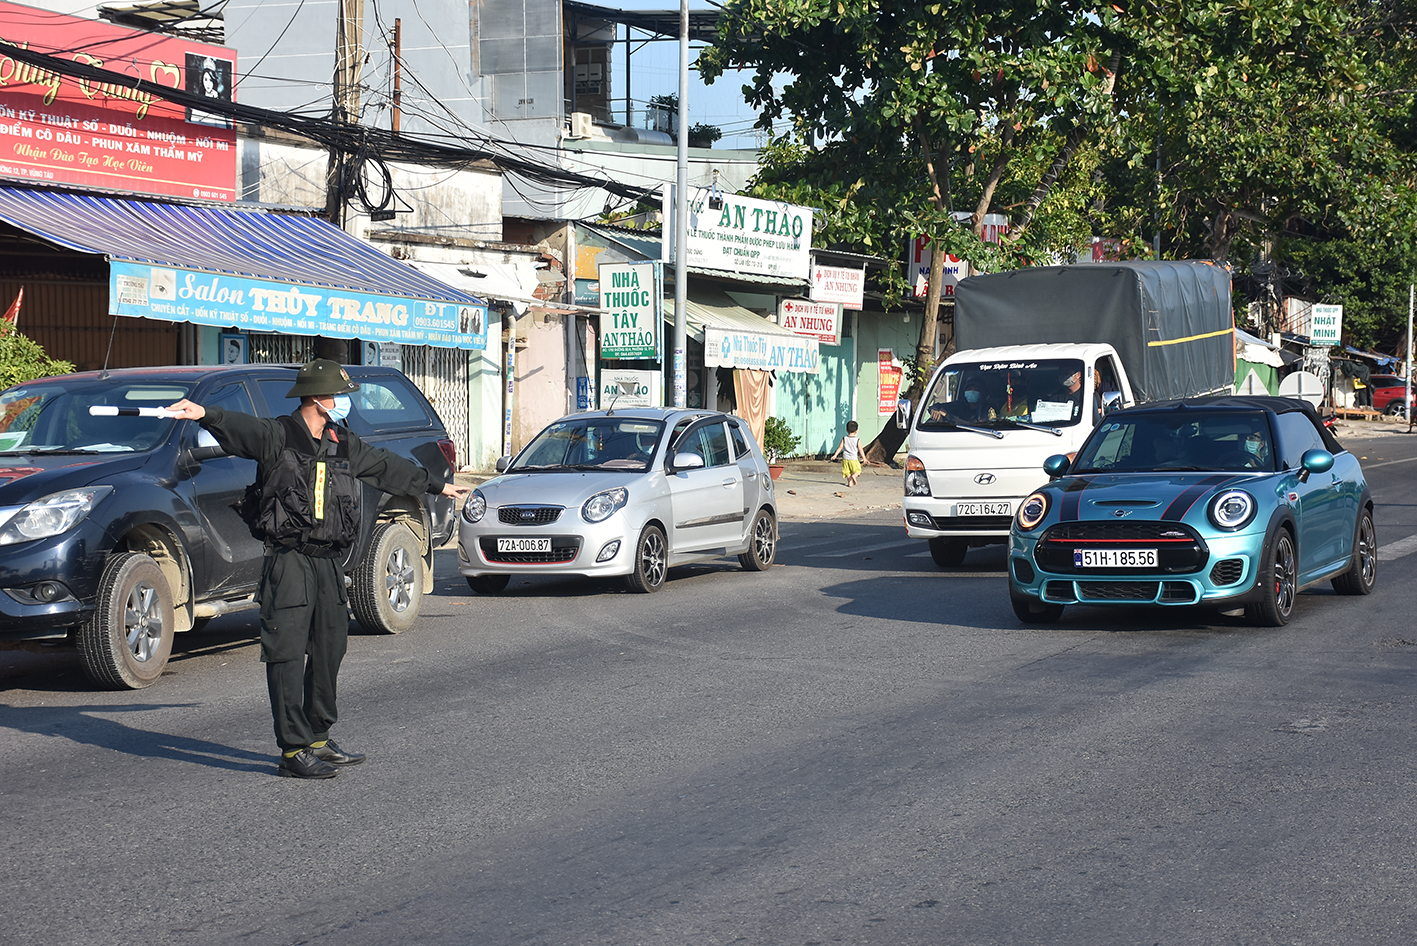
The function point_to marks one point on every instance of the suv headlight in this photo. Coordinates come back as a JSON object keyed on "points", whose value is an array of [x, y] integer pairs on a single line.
{"points": [[1031, 511], [51, 515], [475, 508], [917, 482], [602, 506], [1232, 509]]}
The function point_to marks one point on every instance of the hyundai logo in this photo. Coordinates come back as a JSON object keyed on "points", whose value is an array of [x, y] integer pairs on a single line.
{"points": [[984, 479]]}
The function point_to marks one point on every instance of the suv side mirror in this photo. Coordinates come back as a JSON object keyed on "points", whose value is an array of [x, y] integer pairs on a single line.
{"points": [[503, 463], [206, 449]]}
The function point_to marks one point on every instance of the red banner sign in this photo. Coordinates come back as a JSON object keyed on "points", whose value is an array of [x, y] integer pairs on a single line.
{"points": [[888, 381], [60, 129]]}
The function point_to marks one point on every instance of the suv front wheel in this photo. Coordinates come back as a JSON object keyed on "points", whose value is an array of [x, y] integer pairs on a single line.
{"points": [[387, 588], [127, 641]]}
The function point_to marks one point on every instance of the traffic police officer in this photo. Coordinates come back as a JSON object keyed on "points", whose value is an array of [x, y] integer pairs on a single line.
{"points": [[309, 516]]}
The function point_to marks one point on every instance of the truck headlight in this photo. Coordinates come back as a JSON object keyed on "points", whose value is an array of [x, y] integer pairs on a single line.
{"points": [[51, 515], [917, 482], [602, 506]]}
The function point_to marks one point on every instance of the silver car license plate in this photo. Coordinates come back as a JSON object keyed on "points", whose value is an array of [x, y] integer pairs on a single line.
{"points": [[524, 545], [1114, 558], [983, 509]]}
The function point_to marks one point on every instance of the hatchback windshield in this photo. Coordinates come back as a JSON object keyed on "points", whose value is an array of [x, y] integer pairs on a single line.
{"points": [[1237, 441], [1045, 392], [592, 443], [97, 417]]}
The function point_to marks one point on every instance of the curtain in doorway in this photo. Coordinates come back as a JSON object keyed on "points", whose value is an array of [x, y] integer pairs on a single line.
{"points": [[751, 389]]}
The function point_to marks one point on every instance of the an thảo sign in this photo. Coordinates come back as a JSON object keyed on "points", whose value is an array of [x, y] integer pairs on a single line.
{"points": [[821, 320], [60, 129], [839, 284], [630, 310], [746, 235]]}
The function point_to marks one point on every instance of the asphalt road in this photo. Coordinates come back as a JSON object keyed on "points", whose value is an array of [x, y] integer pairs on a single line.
{"points": [[854, 747]]}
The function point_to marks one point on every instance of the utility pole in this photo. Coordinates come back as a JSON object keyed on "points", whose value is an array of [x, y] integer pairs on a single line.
{"points": [[349, 59], [681, 215]]}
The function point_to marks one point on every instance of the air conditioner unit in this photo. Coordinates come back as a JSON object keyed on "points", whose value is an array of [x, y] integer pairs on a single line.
{"points": [[582, 125]]}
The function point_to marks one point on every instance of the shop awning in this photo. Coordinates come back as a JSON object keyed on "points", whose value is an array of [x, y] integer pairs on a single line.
{"points": [[736, 337], [251, 269]]}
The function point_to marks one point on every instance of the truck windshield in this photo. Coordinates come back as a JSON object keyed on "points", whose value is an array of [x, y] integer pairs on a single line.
{"points": [[48, 418], [1004, 394]]}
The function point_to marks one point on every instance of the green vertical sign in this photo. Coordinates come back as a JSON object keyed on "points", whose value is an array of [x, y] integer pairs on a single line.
{"points": [[630, 321]]}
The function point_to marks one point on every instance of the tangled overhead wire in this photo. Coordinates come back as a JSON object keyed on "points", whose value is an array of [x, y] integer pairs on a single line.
{"points": [[356, 145]]}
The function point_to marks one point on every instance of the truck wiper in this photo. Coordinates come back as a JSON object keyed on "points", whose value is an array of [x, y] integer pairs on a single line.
{"points": [[988, 431], [1032, 426]]}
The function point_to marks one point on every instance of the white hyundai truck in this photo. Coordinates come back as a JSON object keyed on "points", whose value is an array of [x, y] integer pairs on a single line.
{"points": [[1044, 354]]}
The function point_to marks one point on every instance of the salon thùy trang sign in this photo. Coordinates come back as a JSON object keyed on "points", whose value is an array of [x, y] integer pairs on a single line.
{"points": [[820, 320], [630, 320], [59, 129], [261, 305]]}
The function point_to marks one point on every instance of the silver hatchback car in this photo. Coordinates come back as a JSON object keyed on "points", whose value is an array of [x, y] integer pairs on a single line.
{"points": [[629, 492]]}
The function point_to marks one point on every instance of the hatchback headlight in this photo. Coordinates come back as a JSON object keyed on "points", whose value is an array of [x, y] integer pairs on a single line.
{"points": [[475, 508], [917, 481], [1232, 509], [602, 506], [55, 513], [1032, 510]]}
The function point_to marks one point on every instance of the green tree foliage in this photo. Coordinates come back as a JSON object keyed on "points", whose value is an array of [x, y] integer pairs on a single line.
{"points": [[22, 359]]}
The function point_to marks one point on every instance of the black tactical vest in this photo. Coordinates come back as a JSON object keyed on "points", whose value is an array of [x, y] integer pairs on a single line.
{"points": [[310, 498]]}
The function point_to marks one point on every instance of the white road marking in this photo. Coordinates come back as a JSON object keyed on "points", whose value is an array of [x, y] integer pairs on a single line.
{"points": [[1398, 549], [842, 553]]}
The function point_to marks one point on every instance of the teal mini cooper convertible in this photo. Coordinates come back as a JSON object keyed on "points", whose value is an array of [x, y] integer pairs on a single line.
{"points": [[1219, 501]]}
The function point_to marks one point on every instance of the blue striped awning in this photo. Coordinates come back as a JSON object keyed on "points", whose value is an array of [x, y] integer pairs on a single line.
{"points": [[256, 270]]}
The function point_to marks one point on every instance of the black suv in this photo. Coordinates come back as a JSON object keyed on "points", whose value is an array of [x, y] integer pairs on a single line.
{"points": [[118, 528]]}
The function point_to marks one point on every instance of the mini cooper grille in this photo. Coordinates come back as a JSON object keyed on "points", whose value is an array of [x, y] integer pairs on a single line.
{"points": [[1114, 531], [528, 515], [1117, 590], [1227, 572], [1178, 549], [563, 549]]}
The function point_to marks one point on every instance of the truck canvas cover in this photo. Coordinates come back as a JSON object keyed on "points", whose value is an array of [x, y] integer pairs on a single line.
{"points": [[1170, 322]]}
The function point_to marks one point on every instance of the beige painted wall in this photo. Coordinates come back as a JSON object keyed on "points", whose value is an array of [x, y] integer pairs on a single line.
{"points": [[540, 377]]}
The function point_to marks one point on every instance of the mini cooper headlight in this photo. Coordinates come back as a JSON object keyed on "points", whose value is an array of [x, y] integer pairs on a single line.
{"points": [[51, 515], [917, 482], [1232, 509], [475, 508], [602, 506], [1032, 510]]}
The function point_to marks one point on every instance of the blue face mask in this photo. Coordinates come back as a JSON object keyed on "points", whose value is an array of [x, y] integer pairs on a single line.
{"points": [[972, 397], [340, 411], [1253, 446]]}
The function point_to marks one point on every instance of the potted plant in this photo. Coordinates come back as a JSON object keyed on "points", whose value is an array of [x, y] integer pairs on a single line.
{"points": [[778, 442]]}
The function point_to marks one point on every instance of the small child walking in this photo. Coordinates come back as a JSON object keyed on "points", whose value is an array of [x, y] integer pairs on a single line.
{"points": [[850, 451]]}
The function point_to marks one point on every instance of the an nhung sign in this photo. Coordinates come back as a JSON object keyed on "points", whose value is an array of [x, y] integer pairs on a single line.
{"points": [[820, 320], [60, 129], [839, 284], [630, 320]]}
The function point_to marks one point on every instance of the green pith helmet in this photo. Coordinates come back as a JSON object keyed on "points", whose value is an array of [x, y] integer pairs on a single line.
{"points": [[321, 378]]}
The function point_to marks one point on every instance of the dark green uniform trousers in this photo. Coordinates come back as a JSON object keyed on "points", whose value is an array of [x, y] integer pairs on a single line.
{"points": [[304, 634]]}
